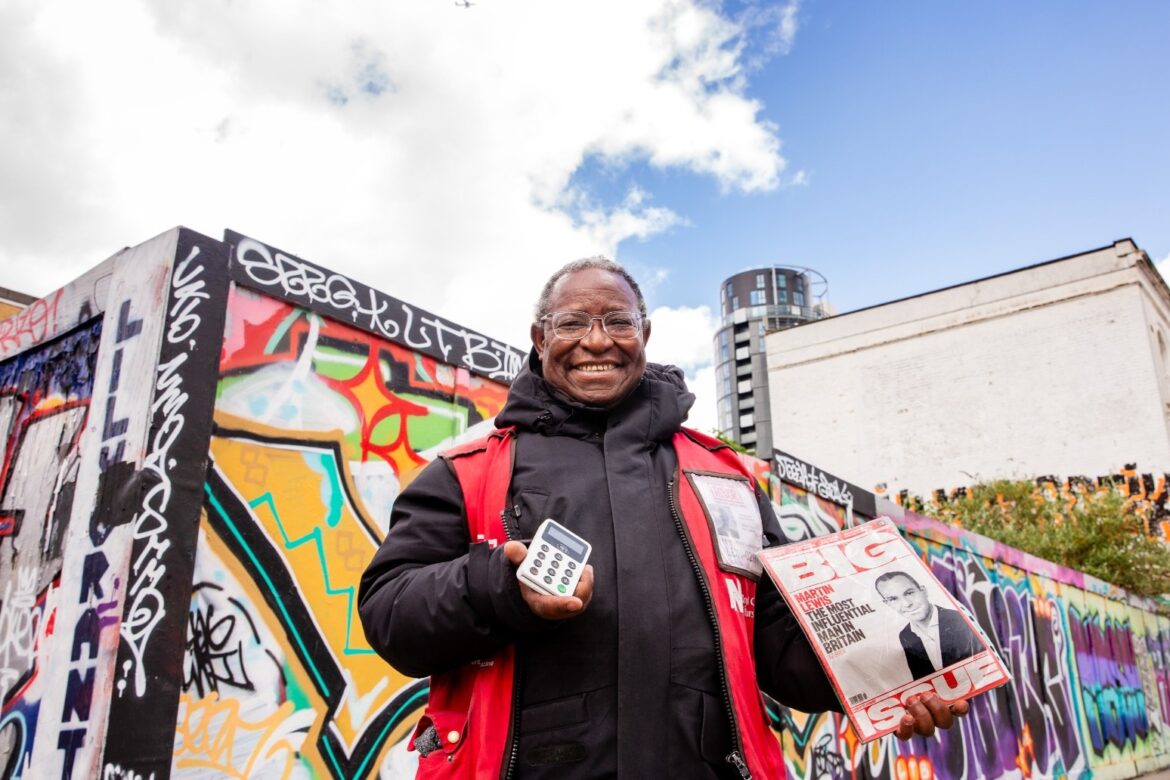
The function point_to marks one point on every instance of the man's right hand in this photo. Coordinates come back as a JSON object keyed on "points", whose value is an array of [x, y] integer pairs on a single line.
{"points": [[544, 605]]}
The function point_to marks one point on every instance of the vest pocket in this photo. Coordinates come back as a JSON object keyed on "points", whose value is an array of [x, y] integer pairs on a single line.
{"points": [[439, 735], [554, 714]]}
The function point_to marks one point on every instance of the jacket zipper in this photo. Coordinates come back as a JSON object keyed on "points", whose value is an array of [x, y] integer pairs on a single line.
{"points": [[735, 757], [514, 718]]}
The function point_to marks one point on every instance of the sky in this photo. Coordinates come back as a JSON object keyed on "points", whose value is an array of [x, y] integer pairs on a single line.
{"points": [[455, 155]]}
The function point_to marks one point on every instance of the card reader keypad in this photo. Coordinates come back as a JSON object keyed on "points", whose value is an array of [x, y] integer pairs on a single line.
{"points": [[549, 567]]}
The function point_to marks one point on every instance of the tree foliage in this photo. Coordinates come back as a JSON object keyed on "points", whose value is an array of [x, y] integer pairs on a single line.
{"points": [[1095, 531]]}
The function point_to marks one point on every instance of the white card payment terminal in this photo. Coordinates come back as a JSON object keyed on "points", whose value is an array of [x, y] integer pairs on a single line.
{"points": [[555, 560]]}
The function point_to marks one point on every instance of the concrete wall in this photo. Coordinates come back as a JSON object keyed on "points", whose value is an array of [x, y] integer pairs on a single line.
{"points": [[1041, 371], [203, 442]]}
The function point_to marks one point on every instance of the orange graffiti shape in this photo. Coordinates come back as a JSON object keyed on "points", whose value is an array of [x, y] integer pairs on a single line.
{"points": [[212, 734], [376, 403]]}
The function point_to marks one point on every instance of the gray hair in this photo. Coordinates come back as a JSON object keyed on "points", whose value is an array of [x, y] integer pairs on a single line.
{"points": [[544, 303]]}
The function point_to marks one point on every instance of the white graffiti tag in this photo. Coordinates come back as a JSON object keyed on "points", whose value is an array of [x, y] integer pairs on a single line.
{"points": [[147, 605], [378, 312], [813, 480]]}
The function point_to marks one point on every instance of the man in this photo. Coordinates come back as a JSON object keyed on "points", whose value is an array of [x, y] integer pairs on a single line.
{"points": [[650, 668], [935, 637]]}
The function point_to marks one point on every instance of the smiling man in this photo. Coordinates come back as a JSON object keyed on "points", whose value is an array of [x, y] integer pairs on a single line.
{"points": [[652, 667], [935, 637]]}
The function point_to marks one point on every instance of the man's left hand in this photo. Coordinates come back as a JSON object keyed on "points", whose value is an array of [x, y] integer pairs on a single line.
{"points": [[926, 713]]}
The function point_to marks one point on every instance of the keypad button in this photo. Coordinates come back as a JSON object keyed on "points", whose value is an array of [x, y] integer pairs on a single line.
{"points": [[551, 572], [544, 547], [558, 556], [548, 580], [565, 580], [572, 565], [562, 589], [534, 571]]}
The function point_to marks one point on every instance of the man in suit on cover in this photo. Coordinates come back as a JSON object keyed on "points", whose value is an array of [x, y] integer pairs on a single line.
{"points": [[935, 636]]}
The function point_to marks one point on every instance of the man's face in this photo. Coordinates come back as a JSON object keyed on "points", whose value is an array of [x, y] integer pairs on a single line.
{"points": [[907, 598], [597, 370]]}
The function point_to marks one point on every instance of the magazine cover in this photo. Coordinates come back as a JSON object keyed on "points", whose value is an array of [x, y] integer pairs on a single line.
{"points": [[884, 627]]}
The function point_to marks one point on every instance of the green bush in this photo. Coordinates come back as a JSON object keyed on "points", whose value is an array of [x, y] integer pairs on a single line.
{"points": [[1094, 531]]}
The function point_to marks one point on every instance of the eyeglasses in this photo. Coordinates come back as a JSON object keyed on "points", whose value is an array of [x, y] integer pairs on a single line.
{"points": [[575, 325]]}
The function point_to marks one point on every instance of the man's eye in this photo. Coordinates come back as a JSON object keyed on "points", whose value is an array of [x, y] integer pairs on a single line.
{"points": [[573, 323], [619, 321]]}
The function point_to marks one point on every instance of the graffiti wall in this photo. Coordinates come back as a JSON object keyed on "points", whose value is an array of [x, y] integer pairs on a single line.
{"points": [[1089, 695], [76, 381], [203, 442], [318, 426], [44, 400]]}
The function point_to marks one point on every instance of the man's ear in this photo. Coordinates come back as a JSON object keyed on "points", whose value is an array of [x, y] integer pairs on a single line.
{"points": [[536, 333], [645, 331]]}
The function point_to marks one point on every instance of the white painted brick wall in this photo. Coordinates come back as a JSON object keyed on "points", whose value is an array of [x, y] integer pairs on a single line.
{"points": [[1056, 373]]}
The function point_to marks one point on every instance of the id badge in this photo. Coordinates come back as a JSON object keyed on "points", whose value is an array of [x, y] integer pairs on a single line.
{"points": [[734, 516]]}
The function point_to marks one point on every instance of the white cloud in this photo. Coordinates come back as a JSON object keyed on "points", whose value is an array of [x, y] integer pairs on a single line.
{"points": [[682, 336], [702, 384], [424, 148], [1163, 267]]}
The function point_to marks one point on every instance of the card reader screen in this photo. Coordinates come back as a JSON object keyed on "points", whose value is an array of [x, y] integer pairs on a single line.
{"points": [[565, 542]]}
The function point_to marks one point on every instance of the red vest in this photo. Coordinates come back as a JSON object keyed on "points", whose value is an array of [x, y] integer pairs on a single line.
{"points": [[471, 707]]}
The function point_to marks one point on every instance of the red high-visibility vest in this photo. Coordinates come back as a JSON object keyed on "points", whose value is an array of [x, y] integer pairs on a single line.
{"points": [[471, 707]]}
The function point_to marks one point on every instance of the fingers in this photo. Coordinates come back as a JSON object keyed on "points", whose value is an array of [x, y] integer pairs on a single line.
{"points": [[926, 713], [544, 605], [551, 607], [584, 589], [515, 552]]}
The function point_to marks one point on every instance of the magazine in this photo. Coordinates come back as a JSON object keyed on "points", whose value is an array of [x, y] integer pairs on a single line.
{"points": [[884, 627]]}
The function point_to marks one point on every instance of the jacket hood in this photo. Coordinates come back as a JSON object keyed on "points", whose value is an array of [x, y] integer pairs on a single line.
{"points": [[658, 405]]}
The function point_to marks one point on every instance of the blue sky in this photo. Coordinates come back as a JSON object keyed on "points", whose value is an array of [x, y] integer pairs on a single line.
{"points": [[942, 142], [455, 156]]}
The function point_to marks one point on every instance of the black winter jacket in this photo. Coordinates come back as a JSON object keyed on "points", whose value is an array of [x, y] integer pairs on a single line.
{"points": [[634, 678]]}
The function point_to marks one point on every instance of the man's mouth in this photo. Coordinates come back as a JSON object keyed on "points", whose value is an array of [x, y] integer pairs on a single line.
{"points": [[595, 368]]}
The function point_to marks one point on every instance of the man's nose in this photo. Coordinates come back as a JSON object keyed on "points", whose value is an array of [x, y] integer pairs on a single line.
{"points": [[596, 338]]}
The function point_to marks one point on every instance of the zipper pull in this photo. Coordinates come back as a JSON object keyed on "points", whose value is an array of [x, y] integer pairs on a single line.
{"points": [[736, 760]]}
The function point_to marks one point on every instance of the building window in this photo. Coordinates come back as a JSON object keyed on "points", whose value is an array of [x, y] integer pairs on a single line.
{"points": [[781, 296], [758, 297], [734, 302], [798, 298], [760, 281], [781, 280]]}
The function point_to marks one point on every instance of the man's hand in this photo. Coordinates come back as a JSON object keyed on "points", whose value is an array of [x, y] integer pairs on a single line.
{"points": [[552, 607], [925, 713]]}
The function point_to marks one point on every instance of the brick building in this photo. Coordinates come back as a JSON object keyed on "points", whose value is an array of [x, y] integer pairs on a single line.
{"points": [[1056, 368]]}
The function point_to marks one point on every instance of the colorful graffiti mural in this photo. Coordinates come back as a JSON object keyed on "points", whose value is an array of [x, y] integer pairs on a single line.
{"points": [[1086, 661], [204, 443], [44, 400], [318, 426]]}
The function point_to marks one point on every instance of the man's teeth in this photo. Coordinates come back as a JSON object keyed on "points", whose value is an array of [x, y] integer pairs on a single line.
{"points": [[595, 367]]}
